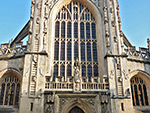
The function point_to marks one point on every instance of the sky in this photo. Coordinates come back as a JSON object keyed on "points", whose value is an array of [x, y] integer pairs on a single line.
{"points": [[135, 16]]}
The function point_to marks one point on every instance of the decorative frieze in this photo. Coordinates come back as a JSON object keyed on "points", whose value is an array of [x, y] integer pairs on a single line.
{"points": [[107, 35]]}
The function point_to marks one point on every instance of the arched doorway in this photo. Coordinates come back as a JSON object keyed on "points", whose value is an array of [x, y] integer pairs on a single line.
{"points": [[9, 90], [139, 91], [76, 110]]}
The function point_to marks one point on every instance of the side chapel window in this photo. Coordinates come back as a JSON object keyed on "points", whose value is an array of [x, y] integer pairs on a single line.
{"points": [[10, 90], [139, 92]]}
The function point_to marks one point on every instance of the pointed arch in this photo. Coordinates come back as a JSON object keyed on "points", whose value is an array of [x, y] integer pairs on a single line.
{"points": [[86, 108], [78, 29], [139, 81], [9, 79]]}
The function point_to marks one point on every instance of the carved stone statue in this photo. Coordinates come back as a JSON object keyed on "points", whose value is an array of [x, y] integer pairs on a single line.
{"points": [[77, 77], [77, 71], [127, 92]]}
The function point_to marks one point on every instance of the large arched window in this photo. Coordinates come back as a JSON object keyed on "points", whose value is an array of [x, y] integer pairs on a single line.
{"points": [[75, 35], [139, 92]]}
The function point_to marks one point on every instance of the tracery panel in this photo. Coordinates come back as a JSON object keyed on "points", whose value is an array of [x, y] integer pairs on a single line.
{"points": [[10, 92], [139, 92], [75, 31]]}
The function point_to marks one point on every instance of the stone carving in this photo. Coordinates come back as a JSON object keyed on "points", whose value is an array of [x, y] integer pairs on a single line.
{"points": [[34, 78], [46, 12], [39, 94], [27, 71], [63, 101], [49, 109], [45, 25], [49, 4], [91, 101], [50, 98], [125, 74], [97, 3], [37, 37], [41, 73], [77, 77], [107, 38], [104, 97], [38, 20], [35, 58], [105, 15], [128, 92], [49, 102], [32, 8], [112, 74]]}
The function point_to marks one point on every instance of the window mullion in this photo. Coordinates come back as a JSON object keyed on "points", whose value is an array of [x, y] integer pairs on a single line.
{"points": [[66, 48], [59, 48], [72, 29], [79, 48]]}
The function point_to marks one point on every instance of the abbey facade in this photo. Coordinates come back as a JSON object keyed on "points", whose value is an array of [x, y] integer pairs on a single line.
{"points": [[77, 60]]}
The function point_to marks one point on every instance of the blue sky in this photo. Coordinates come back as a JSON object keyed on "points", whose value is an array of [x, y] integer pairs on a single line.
{"points": [[135, 16]]}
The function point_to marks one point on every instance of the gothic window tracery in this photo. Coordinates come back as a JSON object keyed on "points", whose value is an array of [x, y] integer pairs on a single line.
{"points": [[10, 90], [139, 92], [75, 35]]}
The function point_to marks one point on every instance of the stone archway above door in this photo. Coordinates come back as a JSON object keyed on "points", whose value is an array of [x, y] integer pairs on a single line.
{"points": [[76, 110]]}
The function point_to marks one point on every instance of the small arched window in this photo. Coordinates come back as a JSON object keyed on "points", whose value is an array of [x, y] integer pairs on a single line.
{"points": [[93, 31], [69, 70], [82, 30], [75, 30], [94, 52], [56, 54], [69, 51], [62, 50], [82, 51], [69, 30], [89, 73], [75, 50], [63, 30], [88, 51], [57, 29], [95, 70], [55, 72], [62, 70], [87, 30], [83, 71]]}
